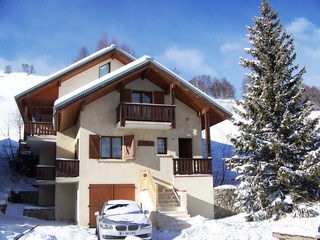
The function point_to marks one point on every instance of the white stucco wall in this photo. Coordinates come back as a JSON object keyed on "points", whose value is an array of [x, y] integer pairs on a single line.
{"points": [[103, 122], [46, 195], [199, 194], [66, 143], [86, 77], [65, 201]]}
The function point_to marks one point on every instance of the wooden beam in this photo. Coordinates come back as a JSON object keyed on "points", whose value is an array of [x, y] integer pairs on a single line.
{"points": [[172, 94], [207, 132], [143, 75], [83, 104]]}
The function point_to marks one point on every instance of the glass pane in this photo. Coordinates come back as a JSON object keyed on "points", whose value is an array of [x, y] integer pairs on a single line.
{"points": [[105, 147], [136, 97], [146, 98], [116, 147], [103, 70], [161, 145]]}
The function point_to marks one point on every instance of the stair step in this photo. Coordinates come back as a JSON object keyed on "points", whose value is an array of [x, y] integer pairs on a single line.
{"points": [[169, 208], [166, 195], [171, 216], [177, 224], [176, 227], [168, 203], [173, 220], [167, 198], [169, 219]]}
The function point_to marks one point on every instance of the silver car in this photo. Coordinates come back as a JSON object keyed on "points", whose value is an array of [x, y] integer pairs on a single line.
{"points": [[121, 218]]}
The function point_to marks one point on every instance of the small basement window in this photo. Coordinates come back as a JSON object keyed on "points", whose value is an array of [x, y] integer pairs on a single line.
{"points": [[162, 146], [104, 69]]}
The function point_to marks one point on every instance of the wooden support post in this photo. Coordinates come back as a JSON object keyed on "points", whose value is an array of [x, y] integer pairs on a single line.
{"points": [[207, 132], [172, 94], [172, 102]]}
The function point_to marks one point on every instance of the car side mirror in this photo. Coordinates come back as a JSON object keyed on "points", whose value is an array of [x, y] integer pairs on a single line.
{"points": [[146, 212]]}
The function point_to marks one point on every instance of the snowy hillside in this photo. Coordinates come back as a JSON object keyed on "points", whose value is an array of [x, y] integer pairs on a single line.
{"points": [[12, 84]]}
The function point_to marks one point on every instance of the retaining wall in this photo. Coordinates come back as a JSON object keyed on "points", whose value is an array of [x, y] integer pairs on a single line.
{"points": [[224, 198], [45, 213]]}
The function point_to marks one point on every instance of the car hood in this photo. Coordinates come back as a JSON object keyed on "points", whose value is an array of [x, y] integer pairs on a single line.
{"points": [[125, 218]]}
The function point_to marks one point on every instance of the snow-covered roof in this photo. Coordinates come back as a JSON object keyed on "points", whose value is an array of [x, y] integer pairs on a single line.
{"points": [[68, 98], [100, 81], [74, 66]]}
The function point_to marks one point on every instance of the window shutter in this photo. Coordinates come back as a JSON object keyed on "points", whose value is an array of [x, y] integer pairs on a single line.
{"points": [[127, 95], [94, 146], [158, 97], [128, 147]]}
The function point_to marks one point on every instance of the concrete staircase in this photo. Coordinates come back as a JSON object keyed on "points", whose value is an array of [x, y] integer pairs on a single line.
{"points": [[170, 215]]}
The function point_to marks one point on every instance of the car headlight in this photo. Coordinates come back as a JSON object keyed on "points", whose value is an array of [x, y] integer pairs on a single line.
{"points": [[106, 226], [145, 225]]}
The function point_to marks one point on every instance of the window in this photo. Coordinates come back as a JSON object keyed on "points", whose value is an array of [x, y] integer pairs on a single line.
{"points": [[141, 97], [111, 147], [105, 69], [105, 147], [162, 146]]}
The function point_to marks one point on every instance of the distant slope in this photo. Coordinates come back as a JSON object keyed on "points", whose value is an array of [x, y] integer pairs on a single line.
{"points": [[8, 147]]}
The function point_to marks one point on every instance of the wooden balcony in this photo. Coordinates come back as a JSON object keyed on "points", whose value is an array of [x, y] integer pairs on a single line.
{"points": [[192, 166], [64, 168], [146, 113], [45, 172], [67, 168], [38, 128]]}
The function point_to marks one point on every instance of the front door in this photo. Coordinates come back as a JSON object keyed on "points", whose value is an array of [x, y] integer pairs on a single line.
{"points": [[185, 148]]}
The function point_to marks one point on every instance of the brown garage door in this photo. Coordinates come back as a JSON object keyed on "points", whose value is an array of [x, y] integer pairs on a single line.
{"points": [[101, 193]]}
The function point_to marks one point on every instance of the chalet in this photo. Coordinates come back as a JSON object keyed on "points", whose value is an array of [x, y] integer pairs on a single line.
{"points": [[111, 126]]}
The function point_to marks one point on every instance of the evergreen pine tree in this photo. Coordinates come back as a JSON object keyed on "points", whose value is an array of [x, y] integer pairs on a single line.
{"points": [[274, 160]]}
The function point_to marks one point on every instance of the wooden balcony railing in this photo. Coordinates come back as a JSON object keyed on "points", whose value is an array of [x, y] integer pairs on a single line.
{"points": [[145, 112], [38, 128], [192, 166], [63, 168], [67, 168], [45, 172]]}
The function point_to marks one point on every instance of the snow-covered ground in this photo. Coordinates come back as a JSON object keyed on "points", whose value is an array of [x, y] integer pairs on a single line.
{"points": [[13, 222]]}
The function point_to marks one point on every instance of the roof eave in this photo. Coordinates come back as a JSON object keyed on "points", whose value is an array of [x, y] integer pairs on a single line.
{"points": [[109, 78], [194, 89]]}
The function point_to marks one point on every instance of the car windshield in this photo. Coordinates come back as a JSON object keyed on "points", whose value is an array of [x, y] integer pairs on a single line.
{"points": [[115, 209]]}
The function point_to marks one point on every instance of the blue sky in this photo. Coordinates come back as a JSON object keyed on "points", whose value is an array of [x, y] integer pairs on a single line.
{"points": [[194, 36]]}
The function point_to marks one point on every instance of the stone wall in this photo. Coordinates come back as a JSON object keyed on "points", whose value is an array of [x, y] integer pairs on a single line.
{"points": [[224, 197], [45, 213]]}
